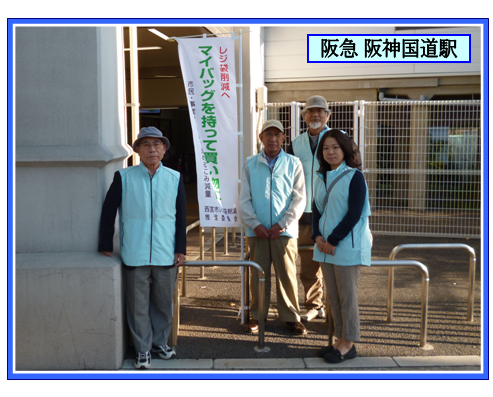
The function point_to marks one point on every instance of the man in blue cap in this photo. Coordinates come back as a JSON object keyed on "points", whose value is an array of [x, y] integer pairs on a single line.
{"points": [[150, 199]]}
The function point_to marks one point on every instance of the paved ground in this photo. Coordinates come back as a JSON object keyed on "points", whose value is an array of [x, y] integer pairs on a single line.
{"points": [[211, 336]]}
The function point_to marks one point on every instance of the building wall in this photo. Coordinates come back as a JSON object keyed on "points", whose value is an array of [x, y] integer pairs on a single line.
{"points": [[286, 54], [290, 78], [253, 78], [69, 140]]}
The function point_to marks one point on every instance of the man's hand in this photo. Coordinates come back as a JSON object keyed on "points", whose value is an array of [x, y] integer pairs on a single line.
{"points": [[179, 258], [261, 232], [275, 231], [107, 253]]}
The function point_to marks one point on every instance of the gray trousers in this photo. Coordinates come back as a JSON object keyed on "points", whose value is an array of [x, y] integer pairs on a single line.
{"points": [[342, 291], [149, 297]]}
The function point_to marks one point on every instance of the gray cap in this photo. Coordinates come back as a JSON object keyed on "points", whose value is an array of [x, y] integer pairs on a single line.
{"points": [[316, 101], [272, 123], [150, 132]]}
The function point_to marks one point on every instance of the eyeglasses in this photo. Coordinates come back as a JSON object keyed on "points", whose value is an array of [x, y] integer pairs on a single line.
{"points": [[156, 145], [277, 135]]}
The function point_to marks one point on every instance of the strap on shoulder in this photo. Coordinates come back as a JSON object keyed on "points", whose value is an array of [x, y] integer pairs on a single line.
{"points": [[326, 199]]}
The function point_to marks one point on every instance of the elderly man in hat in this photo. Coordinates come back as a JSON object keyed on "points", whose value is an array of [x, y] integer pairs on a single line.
{"points": [[316, 114], [150, 199], [272, 200]]}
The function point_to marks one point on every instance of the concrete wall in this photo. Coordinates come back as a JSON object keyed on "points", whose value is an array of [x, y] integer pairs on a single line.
{"points": [[69, 140]]}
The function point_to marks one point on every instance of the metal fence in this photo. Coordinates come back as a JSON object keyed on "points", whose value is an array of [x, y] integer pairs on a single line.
{"points": [[421, 159], [344, 116]]}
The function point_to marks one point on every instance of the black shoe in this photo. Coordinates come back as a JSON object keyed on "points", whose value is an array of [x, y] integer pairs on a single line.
{"points": [[325, 350], [297, 328], [336, 357]]}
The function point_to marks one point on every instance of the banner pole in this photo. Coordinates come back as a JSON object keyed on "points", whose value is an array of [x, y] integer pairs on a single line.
{"points": [[242, 272]]}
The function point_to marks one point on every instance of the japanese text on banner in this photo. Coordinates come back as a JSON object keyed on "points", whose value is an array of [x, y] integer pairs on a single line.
{"points": [[210, 83]]}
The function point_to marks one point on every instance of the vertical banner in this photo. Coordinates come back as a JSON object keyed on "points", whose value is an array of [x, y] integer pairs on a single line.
{"points": [[208, 70]]}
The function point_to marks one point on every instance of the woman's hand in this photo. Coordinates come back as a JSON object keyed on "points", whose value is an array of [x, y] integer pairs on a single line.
{"points": [[324, 247], [320, 241], [329, 249]]}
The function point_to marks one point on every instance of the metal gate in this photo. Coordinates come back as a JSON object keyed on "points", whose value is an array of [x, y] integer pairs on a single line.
{"points": [[421, 159]]}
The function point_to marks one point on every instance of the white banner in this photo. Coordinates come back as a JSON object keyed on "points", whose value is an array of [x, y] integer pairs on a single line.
{"points": [[208, 70]]}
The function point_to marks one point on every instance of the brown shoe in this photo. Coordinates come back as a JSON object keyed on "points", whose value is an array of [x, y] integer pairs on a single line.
{"points": [[297, 328], [252, 326]]}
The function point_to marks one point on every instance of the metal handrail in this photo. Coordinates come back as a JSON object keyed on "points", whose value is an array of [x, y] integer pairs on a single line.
{"points": [[183, 269], [424, 292], [192, 225], [472, 273], [392, 264], [261, 325]]}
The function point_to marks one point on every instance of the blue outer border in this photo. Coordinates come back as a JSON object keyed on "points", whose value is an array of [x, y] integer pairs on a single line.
{"points": [[486, 189], [10, 194], [378, 60], [243, 374]]}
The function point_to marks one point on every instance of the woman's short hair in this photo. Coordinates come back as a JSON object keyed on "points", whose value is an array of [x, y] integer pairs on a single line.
{"points": [[351, 151]]}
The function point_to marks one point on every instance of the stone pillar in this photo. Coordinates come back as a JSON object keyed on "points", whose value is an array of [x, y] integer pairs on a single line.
{"points": [[70, 139]]}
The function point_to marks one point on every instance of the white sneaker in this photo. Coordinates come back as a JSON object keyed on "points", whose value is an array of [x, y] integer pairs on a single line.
{"points": [[165, 352], [309, 315], [142, 360]]}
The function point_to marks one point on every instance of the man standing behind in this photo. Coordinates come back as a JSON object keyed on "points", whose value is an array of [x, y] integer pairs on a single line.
{"points": [[316, 114], [151, 202], [272, 200]]}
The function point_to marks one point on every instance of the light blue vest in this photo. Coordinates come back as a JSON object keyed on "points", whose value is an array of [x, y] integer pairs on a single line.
{"points": [[355, 248], [148, 216], [302, 150], [271, 190]]}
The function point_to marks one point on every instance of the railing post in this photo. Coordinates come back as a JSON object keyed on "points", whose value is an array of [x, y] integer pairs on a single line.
{"points": [[183, 269], [390, 299], [261, 316], [202, 243], [183, 281], [472, 278], [246, 294], [424, 311], [226, 241], [213, 241], [424, 293]]}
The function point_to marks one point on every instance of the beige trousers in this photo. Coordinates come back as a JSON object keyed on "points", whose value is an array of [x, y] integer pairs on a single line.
{"points": [[281, 253]]}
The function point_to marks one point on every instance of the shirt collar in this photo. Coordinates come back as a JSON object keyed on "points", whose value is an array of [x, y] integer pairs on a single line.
{"points": [[272, 162]]}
